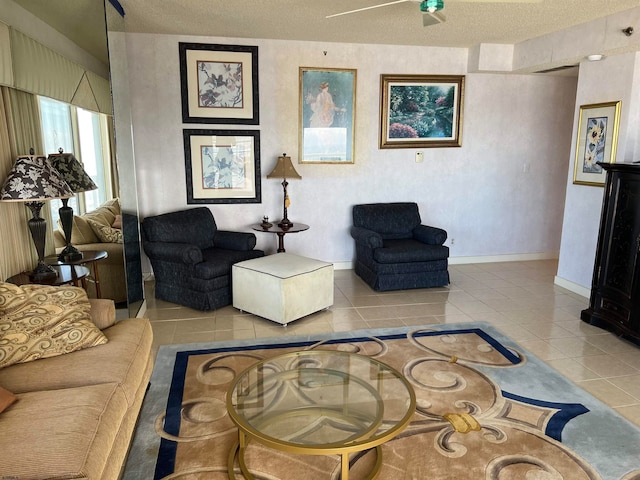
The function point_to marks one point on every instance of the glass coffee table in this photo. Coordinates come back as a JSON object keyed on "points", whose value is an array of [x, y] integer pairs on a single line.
{"points": [[319, 402]]}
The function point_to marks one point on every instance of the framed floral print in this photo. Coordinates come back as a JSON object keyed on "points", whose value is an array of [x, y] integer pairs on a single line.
{"points": [[219, 83], [421, 111], [597, 141], [222, 166]]}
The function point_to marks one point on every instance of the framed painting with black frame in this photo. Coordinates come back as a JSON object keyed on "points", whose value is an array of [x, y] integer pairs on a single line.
{"points": [[222, 166], [327, 115], [596, 142], [219, 83], [421, 111]]}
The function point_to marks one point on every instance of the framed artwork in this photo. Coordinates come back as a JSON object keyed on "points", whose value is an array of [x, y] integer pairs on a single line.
{"points": [[327, 115], [219, 83], [421, 111], [596, 142], [222, 166]]}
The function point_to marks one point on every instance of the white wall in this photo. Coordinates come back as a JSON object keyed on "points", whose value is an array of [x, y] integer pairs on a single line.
{"points": [[584, 203], [501, 193]]}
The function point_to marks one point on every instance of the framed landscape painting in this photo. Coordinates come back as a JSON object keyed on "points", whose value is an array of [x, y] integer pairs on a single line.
{"points": [[222, 166], [597, 142], [421, 111], [219, 83], [326, 115]]}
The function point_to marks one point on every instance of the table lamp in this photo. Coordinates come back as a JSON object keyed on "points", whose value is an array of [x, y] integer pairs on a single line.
{"points": [[32, 180], [72, 172], [284, 169]]}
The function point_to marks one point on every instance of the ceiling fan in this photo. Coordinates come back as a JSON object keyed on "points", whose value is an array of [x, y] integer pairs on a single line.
{"points": [[431, 9]]}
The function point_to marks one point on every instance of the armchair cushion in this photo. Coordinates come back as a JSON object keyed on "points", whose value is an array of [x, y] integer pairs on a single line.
{"points": [[408, 250]]}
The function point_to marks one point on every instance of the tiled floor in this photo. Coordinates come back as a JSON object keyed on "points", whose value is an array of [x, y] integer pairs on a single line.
{"points": [[518, 298]]}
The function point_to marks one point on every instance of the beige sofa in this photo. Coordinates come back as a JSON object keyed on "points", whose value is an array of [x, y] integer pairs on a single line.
{"points": [[75, 413], [84, 236]]}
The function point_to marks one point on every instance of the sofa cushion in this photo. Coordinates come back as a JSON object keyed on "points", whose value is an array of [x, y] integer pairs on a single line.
{"points": [[105, 233], [6, 399], [38, 321], [123, 360], [65, 433], [83, 232]]}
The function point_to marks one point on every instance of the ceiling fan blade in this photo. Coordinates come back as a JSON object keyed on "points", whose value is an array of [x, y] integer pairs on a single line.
{"points": [[368, 8]]}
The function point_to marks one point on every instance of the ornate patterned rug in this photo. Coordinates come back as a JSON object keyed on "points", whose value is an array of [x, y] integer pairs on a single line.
{"points": [[485, 409]]}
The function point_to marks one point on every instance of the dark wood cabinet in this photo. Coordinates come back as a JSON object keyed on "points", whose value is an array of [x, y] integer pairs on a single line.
{"points": [[615, 290]]}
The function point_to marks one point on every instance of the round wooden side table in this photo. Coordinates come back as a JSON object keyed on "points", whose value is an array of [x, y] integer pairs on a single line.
{"points": [[67, 274], [88, 257], [281, 232]]}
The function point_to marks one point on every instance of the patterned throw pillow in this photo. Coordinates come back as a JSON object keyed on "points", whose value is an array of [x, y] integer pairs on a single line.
{"points": [[105, 233], [39, 321]]}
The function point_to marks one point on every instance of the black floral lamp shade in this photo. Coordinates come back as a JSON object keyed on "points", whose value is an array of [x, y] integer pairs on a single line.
{"points": [[33, 180], [73, 173]]}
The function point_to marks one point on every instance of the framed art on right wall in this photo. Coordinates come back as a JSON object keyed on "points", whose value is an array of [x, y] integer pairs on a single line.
{"points": [[596, 142]]}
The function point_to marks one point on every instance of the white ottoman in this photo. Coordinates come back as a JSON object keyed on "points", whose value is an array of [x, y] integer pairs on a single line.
{"points": [[282, 287]]}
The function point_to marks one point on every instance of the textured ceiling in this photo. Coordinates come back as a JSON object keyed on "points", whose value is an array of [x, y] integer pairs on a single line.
{"points": [[469, 22]]}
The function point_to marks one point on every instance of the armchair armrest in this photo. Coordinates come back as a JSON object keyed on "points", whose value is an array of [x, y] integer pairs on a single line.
{"points": [[234, 240], [103, 312], [429, 235], [368, 237], [174, 252]]}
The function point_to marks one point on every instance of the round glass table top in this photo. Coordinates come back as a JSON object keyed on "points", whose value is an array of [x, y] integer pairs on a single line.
{"points": [[321, 400]]}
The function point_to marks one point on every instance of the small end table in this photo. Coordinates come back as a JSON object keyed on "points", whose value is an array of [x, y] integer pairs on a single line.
{"points": [[66, 274], [88, 257], [281, 232]]}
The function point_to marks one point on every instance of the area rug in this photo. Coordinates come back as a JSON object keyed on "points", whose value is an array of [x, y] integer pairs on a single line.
{"points": [[485, 409]]}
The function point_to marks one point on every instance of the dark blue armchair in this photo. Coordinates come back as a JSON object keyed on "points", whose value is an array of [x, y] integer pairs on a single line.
{"points": [[192, 259], [394, 251]]}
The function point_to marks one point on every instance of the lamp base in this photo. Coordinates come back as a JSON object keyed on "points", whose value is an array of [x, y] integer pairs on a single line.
{"points": [[70, 254], [43, 273], [285, 224]]}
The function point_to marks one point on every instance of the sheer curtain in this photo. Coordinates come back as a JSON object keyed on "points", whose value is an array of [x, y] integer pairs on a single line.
{"points": [[16, 251]]}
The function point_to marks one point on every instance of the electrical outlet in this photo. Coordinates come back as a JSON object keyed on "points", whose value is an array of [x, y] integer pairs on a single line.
{"points": [[419, 157], [453, 241]]}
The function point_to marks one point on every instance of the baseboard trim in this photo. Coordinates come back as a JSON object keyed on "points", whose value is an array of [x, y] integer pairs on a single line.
{"points": [[143, 310], [518, 257], [572, 287]]}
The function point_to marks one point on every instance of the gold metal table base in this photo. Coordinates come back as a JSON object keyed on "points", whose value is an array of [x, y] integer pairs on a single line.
{"points": [[238, 449]]}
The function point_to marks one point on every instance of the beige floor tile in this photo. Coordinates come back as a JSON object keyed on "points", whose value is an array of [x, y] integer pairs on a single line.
{"points": [[194, 337], [224, 335], [518, 298], [629, 384], [631, 413], [608, 393], [575, 347], [606, 365], [542, 349], [572, 370]]}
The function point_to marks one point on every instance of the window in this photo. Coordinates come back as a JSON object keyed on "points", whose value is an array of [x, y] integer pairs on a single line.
{"points": [[84, 134]]}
